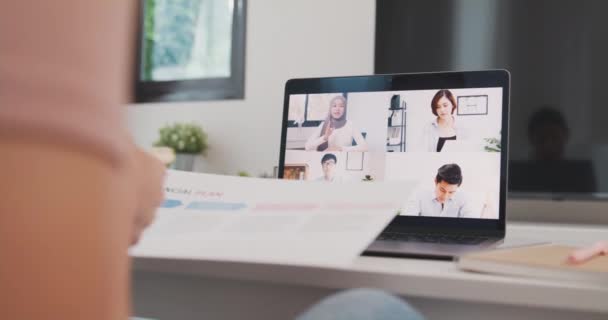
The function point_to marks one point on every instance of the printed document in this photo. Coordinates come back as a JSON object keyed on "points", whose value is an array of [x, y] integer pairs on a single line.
{"points": [[227, 218]]}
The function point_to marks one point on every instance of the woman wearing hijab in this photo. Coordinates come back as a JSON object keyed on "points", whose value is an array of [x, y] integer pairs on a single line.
{"points": [[336, 133]]}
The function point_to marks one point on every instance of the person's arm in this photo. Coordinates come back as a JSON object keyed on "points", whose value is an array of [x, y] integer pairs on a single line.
{"points": [[586, 254], [315, 139], [427, 143], [466, 210], [148, 174], [66, 221], [75, 191], [65, 72]]}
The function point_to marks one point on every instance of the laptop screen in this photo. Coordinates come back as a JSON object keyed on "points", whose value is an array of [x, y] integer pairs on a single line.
{"points": [[446, 142]]}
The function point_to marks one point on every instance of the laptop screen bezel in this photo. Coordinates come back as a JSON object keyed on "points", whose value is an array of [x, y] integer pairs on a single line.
{"points": [[418, 81]]}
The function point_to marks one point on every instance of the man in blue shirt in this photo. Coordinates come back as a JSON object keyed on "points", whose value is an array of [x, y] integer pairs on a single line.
{"points": [[444, 199]]}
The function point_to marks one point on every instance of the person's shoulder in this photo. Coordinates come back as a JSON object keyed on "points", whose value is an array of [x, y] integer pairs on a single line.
{"points": [[431, 125], [461, 197], [349, 124]]}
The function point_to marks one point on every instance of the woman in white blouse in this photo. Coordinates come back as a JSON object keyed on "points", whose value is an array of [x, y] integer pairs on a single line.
{"points": [[444, 126], [336, 133]]}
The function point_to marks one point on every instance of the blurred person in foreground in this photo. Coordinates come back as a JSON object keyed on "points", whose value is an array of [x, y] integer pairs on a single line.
{"points": [[76, 190]]}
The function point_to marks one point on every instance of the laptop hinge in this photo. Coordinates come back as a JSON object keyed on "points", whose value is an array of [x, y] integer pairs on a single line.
{"points": [[451, 231]]}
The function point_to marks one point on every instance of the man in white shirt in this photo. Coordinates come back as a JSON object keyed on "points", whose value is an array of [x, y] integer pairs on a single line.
{"points": [[328, 164], [444, 200]]}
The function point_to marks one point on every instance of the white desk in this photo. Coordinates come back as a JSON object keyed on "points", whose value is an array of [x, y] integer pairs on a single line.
{"points": [[179, 289]]}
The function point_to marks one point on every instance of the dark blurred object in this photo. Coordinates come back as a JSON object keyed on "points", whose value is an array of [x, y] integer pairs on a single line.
{"points": [[552, 63], [563, 176], [548, 134], [395, 102], [547, 170]]}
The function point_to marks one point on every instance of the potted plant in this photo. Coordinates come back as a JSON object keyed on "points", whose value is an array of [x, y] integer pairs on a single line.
{"points": [[188, 140], [493, 144]]}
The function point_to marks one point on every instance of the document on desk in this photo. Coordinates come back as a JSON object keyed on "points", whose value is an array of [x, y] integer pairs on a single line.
{"points": [[227, 218]]}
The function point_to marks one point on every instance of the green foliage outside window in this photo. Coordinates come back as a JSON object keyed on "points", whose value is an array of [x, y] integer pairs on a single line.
{"points": [[148, 39], [190, 50], [168, 37]]}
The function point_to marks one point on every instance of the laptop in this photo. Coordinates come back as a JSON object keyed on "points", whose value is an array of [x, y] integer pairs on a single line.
{"points": [[443, 134]]}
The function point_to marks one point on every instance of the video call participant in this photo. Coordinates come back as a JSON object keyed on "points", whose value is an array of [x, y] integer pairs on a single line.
{"points": [[444, 199], [443, 127], [336, 133], [328, 165]]}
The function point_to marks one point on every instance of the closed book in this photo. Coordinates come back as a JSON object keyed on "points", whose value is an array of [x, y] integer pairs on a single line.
{"points": [[548, 261]]}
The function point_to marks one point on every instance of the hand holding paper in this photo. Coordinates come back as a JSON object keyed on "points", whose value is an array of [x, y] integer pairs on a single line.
{"points": [[149, 172]]}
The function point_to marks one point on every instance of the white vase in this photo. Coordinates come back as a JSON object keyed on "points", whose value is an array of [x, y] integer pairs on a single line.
{"points": [[200, 164], [184, 161]]}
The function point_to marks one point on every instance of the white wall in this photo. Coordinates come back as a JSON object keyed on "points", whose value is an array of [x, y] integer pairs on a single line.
{"points": [[370, 112], [285, 39]]}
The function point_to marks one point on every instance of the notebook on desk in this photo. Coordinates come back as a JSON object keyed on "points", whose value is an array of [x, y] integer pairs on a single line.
{"points": [[459, 205], [542, 261]]}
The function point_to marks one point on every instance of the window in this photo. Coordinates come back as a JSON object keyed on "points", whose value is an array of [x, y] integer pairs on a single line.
{"points": [[190, 50], [309, 110]]}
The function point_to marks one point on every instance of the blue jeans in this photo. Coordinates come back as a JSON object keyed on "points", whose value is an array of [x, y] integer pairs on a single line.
{"points": [[359, 304]]}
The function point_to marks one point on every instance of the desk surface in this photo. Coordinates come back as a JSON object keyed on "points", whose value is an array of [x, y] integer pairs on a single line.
{"points": [[421, 278]]}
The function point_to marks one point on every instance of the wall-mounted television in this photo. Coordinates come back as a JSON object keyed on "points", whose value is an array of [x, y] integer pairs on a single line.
{"points": [[556, 53]]}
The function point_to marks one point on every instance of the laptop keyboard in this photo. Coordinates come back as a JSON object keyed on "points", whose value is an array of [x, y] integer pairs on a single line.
{"points": [[431, 238]]}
